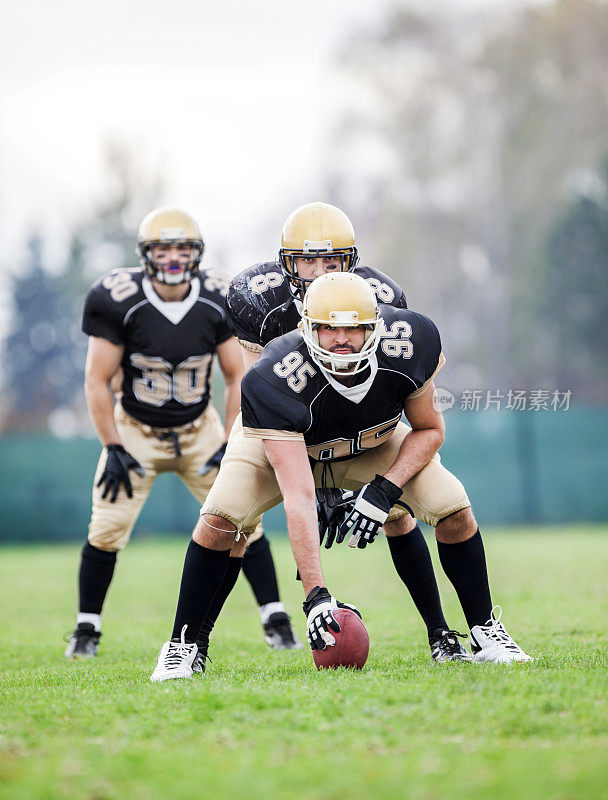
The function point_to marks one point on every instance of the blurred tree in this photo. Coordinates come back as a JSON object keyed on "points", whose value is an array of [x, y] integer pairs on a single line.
{"points": [[39, 362], [575, 297], [461, 133], [45, 353]]}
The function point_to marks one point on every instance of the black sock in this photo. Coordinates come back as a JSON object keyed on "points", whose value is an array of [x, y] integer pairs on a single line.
{"points": [[227, 585], [94, 578], [465, 565], [412, 561], [259, 570], [202, 576]]}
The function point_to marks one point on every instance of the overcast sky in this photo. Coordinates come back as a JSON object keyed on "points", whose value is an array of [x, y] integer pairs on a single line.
{"points": [[233, 99], [229, 97]]}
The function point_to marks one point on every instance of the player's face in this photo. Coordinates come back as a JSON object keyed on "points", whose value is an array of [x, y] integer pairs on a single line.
{"points": [[341, 340], [315, 266], [171, 259]]}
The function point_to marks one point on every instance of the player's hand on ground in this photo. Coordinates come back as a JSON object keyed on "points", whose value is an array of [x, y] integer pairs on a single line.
{"points": [[369, 510], [214, 461], [116, 472], [320, 621], [330, 514]]}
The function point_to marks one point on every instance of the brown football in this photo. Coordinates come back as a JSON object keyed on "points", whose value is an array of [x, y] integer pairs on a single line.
{"points": [[352, 643]]}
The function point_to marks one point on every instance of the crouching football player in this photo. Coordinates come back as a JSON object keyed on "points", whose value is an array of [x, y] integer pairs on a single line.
{"points": [[332, 393]]}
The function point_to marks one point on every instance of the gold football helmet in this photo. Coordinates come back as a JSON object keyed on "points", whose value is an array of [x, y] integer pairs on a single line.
{"points": [[341, 300], [316, 229], [169, 226]]}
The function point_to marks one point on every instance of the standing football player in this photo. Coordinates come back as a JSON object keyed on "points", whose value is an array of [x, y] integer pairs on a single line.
{"points": [[328, 398], [158, 328]]}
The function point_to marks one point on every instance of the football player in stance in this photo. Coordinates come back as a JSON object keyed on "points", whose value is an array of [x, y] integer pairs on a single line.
{"points": [[158, 327], [325, 402], [265, 301]]}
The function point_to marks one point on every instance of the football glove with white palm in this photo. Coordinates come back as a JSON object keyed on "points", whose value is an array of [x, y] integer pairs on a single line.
{"points": [[320, 621], [369, 512], [214, 461], [116, 472]]}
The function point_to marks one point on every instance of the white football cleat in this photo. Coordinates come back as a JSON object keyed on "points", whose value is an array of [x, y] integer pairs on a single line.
{"points": [[175, 660], [492, 643]]}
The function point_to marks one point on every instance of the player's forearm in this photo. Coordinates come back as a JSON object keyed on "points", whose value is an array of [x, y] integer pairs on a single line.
{"points": [[416, 450], [289, 460], [101, 409], [304, 538], [232, 404]]}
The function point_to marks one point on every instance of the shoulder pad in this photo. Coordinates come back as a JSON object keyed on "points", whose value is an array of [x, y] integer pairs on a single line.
{"points": [[120, 286], [387, 290], [214, 281], [285, 356], [261, 283], [411, 342], [253, 294], [279, 347]]}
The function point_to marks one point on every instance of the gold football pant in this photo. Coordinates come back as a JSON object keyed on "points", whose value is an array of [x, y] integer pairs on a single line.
{"points": [[155, 449], [246, 485]]}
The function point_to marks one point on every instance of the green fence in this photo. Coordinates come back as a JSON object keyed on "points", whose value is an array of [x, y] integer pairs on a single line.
{"points": [[545, 467]]}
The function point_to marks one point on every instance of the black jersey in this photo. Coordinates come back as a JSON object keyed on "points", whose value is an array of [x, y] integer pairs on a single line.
{"points": [[261, 305], [286, 390], [168, 347]]}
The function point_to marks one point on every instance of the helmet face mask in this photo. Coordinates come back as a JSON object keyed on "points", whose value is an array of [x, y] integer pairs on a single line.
{"points": [[340, 300], [316, 230], [169, 226]]}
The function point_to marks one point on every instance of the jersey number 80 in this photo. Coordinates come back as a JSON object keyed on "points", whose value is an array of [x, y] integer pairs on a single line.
{"points": [[161, 382]]}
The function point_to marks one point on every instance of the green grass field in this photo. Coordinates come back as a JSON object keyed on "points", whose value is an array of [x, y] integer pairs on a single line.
{"points": [[262, 724]]}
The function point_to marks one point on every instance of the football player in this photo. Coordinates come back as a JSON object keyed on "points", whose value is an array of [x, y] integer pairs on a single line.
{"points": [[156, 329], [325, 402], [265, 301]]}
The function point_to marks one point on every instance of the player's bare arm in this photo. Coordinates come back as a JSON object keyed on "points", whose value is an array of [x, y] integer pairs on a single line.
{"points": [[103, 360], [289, 459], [423, 441], [231, 365]]}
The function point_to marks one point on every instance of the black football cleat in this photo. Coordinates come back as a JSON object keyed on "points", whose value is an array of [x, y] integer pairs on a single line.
{"points": [[446, 647], [84, 641], [201, 657], [279, 634]]}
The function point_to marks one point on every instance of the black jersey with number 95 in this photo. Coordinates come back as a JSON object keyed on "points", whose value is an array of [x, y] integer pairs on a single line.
{"points": [[168, 346], [286, 390]]}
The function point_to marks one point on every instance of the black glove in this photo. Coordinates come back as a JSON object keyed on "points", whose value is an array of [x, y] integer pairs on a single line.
{"points": [[368, 513], [116, 471], [320, 621], [330, 514], [214, 461]]}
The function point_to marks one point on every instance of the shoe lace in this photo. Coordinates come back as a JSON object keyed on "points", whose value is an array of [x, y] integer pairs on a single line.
{"points": [[177, 651], [496, 631], [203, 647], [448, 642]]}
